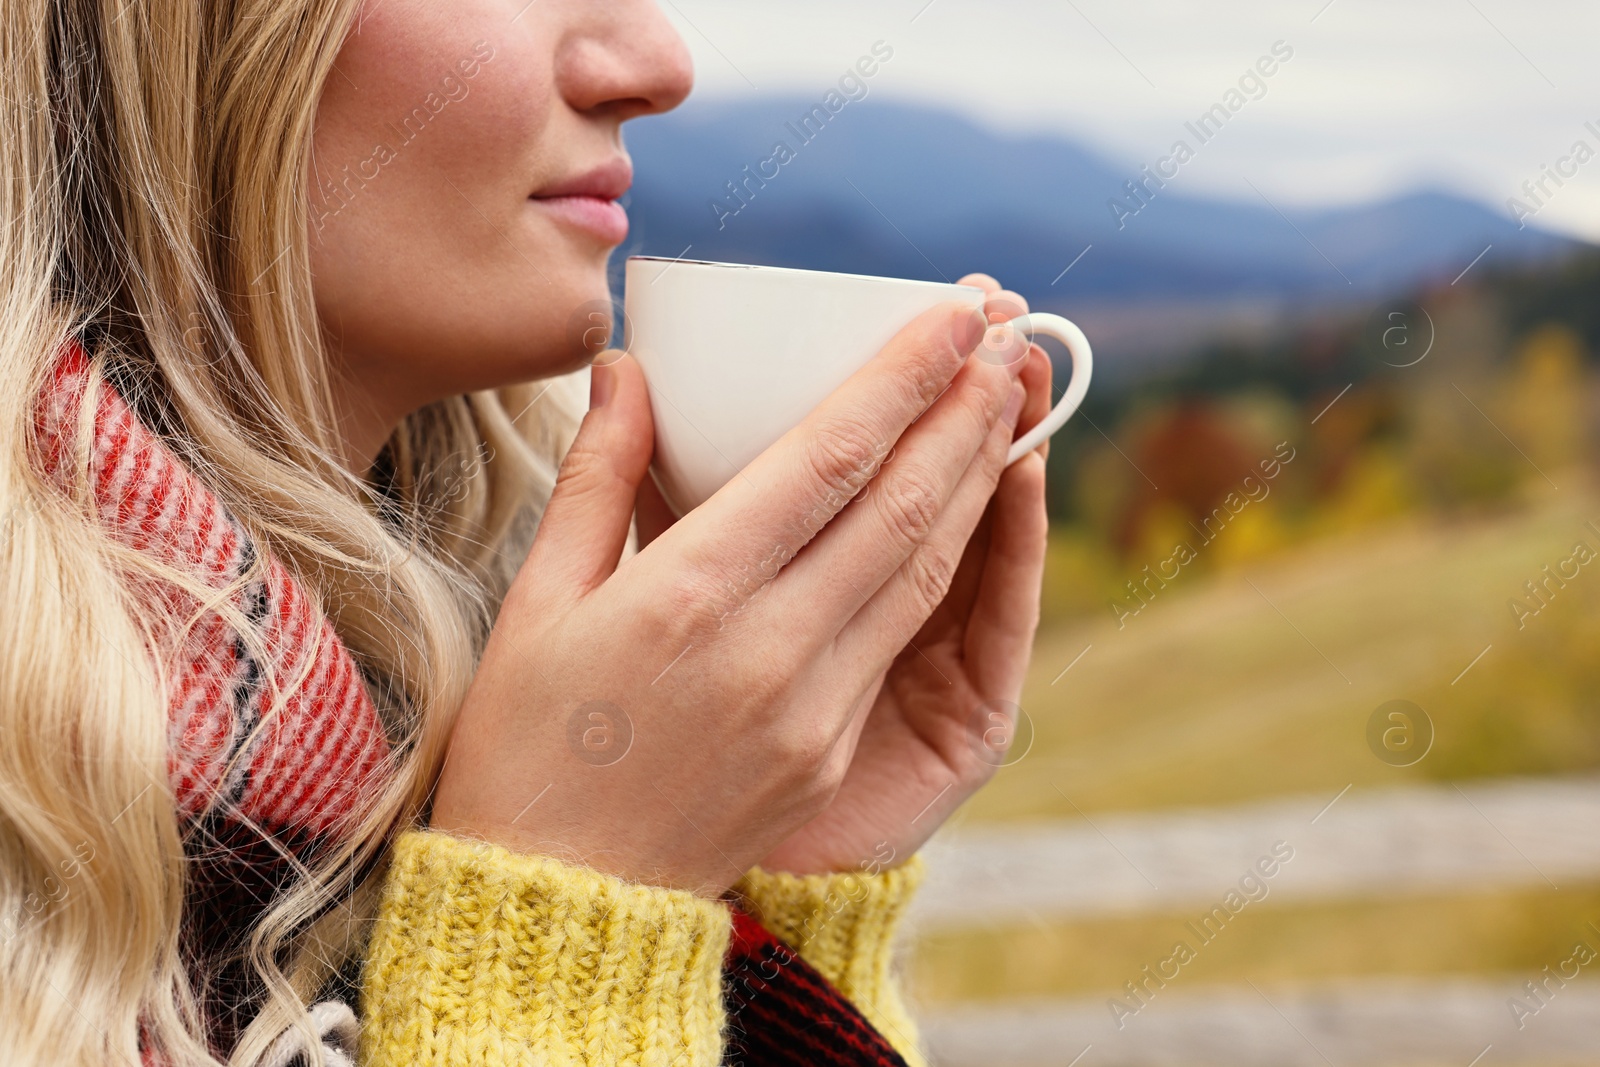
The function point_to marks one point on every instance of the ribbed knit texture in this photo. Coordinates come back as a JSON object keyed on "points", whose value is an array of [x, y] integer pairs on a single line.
{"points": [[845, 925], [322, 749], [484, 956]]}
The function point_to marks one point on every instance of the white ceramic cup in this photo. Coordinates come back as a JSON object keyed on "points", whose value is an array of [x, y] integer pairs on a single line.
{"points": [[737, 355]]}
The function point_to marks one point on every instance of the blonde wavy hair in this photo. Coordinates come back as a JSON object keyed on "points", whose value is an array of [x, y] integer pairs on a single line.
{"points": [[151, 189]]}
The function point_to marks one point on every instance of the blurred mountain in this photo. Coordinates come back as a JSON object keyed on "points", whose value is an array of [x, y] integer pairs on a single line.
{"points": [[883, 187]]}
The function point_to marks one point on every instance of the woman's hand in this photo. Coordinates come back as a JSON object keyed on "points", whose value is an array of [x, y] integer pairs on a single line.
{"points": [[945, 715], [672, 719]]}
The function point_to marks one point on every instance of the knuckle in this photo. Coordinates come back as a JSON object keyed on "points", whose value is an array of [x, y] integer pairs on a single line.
{"points": [[931, 351], [929, 573], [976, 773], [819, 787], [692, 605], [1038, 525], [830, 777], [843, 457], [802, 750], [825, 785], [992, 452], [584, 468], [929, 375], [985, 410], [910, 506], [765, 688]]}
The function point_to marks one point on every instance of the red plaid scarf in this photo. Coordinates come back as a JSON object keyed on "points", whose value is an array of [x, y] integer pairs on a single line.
{"points": [[294, 783]]}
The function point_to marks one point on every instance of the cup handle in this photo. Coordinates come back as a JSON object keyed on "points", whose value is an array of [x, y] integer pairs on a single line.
{"points": [[1067, 332]]}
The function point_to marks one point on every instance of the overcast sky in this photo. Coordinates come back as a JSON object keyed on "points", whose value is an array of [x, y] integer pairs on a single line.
{"points": [[1380, 95]]}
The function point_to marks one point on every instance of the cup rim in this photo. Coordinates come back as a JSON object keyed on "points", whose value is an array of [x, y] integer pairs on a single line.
{"points": [[803, 270]]}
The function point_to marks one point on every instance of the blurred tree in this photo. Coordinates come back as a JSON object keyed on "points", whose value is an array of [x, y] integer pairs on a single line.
{"points": [[1568, 293], [1192, 457], [1253, 533], [1375, 484], [1456, 456], [1545, 396], [1344, 428]]}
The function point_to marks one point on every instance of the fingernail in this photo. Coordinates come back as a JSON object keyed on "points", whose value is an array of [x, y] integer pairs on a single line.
{"points": [[1013, 406], [1005, 346], [602, 383], [967, 330]]}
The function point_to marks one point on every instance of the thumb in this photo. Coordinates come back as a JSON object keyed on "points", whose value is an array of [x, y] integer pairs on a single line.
{"points": [[585, 526]]}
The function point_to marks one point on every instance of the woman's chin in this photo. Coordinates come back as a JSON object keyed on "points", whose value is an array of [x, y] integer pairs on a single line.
{"points": [[593, 322]]}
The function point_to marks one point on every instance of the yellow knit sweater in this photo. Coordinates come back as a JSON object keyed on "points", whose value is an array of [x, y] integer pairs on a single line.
{"points": [[488, 957]]}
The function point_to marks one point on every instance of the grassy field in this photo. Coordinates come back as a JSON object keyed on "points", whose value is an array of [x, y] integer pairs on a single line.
{"points": [[1257, 681]]}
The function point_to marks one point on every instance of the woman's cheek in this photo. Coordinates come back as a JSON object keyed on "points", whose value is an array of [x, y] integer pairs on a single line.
{"points": [[497, 136]]}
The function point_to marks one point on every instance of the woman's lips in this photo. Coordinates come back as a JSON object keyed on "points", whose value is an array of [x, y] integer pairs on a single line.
{"points": [[604, 218]]}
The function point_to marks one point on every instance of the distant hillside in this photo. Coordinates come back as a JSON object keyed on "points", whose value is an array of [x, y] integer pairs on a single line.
{"points": [[888, 188]]}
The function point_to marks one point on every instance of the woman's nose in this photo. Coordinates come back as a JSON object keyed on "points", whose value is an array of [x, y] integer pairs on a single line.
{"points": [[628, 61]]}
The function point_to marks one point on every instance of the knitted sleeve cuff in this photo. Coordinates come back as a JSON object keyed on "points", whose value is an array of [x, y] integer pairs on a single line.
{"points": [[844, 925], [484, 956]]}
